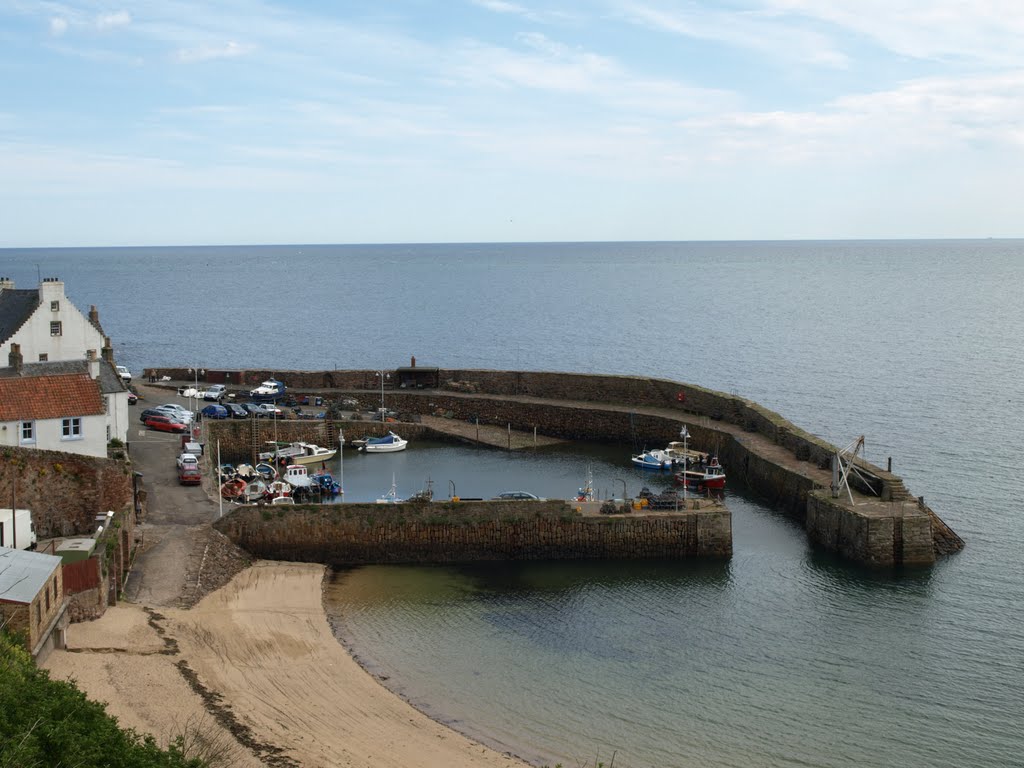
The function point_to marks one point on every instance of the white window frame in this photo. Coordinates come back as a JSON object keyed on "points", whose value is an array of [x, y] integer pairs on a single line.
{"points": [[28, 427], [56, 328], [71, 428]]}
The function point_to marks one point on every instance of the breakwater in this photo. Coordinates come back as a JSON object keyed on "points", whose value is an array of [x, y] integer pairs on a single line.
{"points": [[883, 525], [439, 532]]}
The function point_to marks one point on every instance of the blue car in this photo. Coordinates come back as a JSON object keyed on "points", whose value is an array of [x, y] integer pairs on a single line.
{"points": [[214, 412]]}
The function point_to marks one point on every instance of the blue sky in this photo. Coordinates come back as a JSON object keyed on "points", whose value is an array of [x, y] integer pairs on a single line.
{"points": [[180, 122]]}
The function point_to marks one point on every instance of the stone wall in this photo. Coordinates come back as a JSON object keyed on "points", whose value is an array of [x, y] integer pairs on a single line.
{"points": [[64, 491], [355, 534], [900, 535]]}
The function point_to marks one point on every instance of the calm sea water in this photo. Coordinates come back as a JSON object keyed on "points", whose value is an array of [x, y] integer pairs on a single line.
{"points": [[781, 656]]}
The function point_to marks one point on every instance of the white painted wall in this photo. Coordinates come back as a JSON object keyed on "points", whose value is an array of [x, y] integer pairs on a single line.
{"points": [[78, 335], [117, 415], [49, 436]]}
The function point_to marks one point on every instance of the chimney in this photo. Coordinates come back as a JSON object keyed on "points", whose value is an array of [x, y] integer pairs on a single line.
{"points": [[108, 351], [412, 363], [94, 364], [94, 315], [14, 359]]}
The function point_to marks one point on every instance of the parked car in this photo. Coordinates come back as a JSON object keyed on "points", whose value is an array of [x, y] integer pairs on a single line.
{"points": [[183, 414], [215, 392], [254, 409], [235, 411], [270, 409], [188, 460], [132, 398], [164, 423], [189, 476], [517, 496], [150, 412], [215, 412], [124, 373]]}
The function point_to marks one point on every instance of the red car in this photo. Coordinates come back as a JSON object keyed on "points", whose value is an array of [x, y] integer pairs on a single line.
{"points": [[189, 475], [165, 424]]}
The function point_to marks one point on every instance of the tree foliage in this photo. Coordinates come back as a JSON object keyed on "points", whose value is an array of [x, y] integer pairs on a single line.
{"points": [[48, 723]]}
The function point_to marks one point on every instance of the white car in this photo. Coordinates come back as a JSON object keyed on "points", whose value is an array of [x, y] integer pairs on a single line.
{"points": [[270, 409], [124, 373], [214, 392], [184, 415], [188, 460]]}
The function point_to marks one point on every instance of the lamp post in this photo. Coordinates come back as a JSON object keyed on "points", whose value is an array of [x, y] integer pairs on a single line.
{"points": [[341, 462], [686, 459], [382, 375], [195, 388]]}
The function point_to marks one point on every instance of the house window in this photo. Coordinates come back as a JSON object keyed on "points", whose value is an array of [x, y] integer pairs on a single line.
{"points": [[55, 306], [28, 432], [43, 357], [55, 329], [71, 429]]}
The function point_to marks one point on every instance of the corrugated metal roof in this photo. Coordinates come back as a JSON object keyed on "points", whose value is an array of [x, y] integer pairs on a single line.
{"points": [[24, 574]]}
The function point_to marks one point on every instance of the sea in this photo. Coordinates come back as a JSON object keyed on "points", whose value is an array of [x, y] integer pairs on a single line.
{"points": [[782, 655]]}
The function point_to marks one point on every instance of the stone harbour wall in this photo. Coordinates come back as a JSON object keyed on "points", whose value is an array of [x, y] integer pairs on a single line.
{"points": [[440, 532]]}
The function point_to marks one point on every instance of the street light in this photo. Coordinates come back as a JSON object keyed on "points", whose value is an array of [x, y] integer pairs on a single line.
{"points": [[685, 435], [382, 375], [196, 373]]}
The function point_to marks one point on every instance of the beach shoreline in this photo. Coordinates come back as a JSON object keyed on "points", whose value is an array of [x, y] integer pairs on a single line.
{"points": [[256, 663]]}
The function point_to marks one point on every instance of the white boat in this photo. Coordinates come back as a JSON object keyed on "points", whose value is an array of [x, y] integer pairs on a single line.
{"points": [[277, 489], [297, 476], [282, 500], [387, 444], [391, 497], [253, 491], [299, 453], [655, 459]]}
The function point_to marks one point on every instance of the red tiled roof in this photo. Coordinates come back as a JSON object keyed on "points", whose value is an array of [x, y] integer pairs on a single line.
{"points": [[49, 397]]}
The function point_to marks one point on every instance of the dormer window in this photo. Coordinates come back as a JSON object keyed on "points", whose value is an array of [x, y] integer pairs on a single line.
{"points": [[55, 306], [55, 328]]}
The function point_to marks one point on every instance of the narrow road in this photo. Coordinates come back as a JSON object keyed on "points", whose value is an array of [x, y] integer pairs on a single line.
{"points": [[182, 556]]}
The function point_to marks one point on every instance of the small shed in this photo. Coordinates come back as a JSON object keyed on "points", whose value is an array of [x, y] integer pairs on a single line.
{"points": [[32, 598], [418, 376]]}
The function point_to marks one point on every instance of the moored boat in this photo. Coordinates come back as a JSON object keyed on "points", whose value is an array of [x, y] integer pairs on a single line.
{"points": [[298, 453], [233, 489], [297, 476], [389, 443], [653, 459], [705, 475]]}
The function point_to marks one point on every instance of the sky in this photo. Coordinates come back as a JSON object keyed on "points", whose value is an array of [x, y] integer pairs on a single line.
{"points": [[175, 122]]}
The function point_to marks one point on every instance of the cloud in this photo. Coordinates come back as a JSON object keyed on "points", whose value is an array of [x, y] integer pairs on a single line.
{"points": [[112, 20], [58, 26], [229, 50], [750, 30]]}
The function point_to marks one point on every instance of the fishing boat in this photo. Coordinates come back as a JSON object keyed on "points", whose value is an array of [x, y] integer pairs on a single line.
{"points": [[233, 489], [326, 482], [586, 493], [387, 444], [247, 472], [391, 497], [680, 454], [277, 489], [707, 475], [297, 476], [655, 459], [266, 471], [298, 453], [253, 491]]}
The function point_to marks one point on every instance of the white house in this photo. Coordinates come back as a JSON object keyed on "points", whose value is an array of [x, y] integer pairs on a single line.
{"points": [[55, 406], [44, 327]]}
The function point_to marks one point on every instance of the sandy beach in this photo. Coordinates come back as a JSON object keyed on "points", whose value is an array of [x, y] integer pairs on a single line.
{"points": [[255, 666]]}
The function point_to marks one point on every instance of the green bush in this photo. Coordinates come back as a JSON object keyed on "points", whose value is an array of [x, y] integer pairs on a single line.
{"points": [[48, 723]]}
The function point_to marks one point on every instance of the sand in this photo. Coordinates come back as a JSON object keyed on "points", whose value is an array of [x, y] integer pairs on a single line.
{"points": [[255, 666]]}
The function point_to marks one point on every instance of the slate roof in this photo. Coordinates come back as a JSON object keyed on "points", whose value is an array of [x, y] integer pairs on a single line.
{"points": [[49, 397], [109, 381], [16, 306], [24, 574]]}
